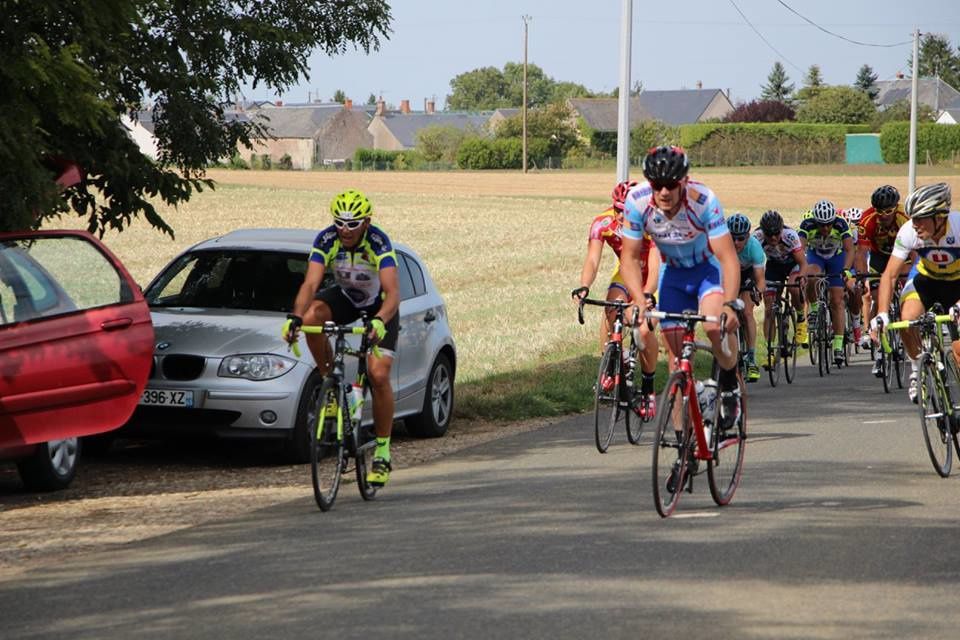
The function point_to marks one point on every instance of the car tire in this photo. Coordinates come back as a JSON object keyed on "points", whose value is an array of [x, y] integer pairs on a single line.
{"points": [[434, 418], [297, 447], [53, 465]]}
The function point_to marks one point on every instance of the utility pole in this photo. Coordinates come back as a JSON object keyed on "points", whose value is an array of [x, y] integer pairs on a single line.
{"points": [[623, 111], [912, 182], [526, 23]]}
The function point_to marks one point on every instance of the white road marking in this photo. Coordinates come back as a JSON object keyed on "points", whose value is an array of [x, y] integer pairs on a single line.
{"points": [[695, 514], [878, 421]]}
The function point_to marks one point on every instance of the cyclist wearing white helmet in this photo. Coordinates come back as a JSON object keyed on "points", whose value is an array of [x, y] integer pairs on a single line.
{"points": [[854, 288], [934, 234], [828, 243]]}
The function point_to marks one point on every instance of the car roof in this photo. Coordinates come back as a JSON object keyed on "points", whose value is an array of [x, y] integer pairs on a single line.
{"points": [[299, 240]]}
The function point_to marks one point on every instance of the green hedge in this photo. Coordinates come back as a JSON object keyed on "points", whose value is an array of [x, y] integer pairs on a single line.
{"points": [[936, 142], [379, 159], [500, 153]]}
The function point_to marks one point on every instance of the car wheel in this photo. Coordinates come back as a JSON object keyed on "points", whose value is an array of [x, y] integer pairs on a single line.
{"points": [[297, 448], [434, 418], [52, 466]]}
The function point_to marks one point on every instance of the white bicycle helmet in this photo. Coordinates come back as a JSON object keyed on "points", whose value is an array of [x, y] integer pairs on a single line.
{"points": [[928, 200], [853, 215], [824, 212]]}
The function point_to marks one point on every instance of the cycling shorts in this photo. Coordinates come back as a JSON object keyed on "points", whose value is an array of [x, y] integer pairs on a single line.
{"points": [[831, 267], [616, 281], [682, 289], [779, 272], [931, 291], [343, 312]]}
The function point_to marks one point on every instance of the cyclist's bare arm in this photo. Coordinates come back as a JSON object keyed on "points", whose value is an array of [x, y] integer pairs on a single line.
{"points": [[653, 271], [887, 281], [631, 267], [390, 284], [311, 282], [591, 264], [848, 253]]}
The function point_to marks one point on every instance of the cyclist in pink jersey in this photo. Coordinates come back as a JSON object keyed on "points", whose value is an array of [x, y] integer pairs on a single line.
{"points": [[606, 229]]}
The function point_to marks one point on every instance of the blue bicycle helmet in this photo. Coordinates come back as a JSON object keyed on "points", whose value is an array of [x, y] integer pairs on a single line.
{"points": [[739, 225]]}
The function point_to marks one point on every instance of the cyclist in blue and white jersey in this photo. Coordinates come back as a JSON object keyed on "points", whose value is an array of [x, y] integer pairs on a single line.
{"points": [[752, 282], [701, 270], [828, 243]]}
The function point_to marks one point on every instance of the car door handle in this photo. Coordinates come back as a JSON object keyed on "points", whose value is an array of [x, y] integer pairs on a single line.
{"points": [[429, 316], [113, 325]]}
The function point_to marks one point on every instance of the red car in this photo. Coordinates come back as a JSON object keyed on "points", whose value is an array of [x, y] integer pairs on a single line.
{"points": [[76, 346]]}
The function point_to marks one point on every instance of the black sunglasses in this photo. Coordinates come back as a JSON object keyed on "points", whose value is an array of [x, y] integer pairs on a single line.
{"points": [[349, 224], [737, 238], [664, 184]]}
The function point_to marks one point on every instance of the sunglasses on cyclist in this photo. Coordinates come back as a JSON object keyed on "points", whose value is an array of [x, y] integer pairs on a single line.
{"points": [[887, 212], [664, 184], [738, 238], [350, 225]]}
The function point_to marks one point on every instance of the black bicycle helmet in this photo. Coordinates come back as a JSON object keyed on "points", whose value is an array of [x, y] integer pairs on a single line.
{"points": [[738, 224], [665, 163], [928, 200], [771, 223], [885, 197], [824, 212]]}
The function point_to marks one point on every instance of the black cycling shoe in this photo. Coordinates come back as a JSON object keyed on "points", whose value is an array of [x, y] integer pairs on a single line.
{"points": [[729, 409]]}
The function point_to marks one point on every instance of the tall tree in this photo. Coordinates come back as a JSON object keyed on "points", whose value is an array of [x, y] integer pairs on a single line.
{"points": [[937, 59], [778, 85], [837, 105], [812, 84], [867, 81], [72, 69], [339, 96], [479, 89], [371, 99]]}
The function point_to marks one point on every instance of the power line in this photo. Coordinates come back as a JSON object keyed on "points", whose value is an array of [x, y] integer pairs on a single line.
{"points": [[837, 35], [750, 24]]}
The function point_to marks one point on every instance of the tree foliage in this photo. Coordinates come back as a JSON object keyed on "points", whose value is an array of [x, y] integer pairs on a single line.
{"points": [[761, 111], [867, 81], [489, 88], [812, 84], [72, 69], [837, 105], [553, 123], [899, 111], [339, 96], [441, 143], [938, 59], [778, 85]]}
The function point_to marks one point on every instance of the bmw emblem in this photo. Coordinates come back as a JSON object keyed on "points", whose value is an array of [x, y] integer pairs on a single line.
{"points": [[950, 240], [162, 346]]}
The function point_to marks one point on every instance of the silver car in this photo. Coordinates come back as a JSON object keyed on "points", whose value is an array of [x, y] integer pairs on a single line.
{"points": [[221, 367]]}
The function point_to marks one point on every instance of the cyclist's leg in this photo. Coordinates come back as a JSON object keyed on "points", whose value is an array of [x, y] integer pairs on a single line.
{"points": [[329, 304], [381, 393], [815, 267], [834, 271], [753, 372]]}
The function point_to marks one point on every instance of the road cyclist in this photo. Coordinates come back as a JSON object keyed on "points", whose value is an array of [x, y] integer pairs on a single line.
{"points": [[701, 270], [752, 281], [786, 262], [934, 235], [606, 229], [854, 288], [364, 265], [828, 245]]}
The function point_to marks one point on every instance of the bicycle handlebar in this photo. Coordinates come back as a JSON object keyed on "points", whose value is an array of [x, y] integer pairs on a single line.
{"points": [[332, 329], [696, 317]]}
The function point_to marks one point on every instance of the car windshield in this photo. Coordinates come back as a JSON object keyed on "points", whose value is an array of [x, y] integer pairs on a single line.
{"points": [[230, 279]]}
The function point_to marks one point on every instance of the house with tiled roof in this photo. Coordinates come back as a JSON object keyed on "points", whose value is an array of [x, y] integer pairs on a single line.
{"points": [[675, 107], [311, 134], [397, 130], [933, 92], [949, 116]]}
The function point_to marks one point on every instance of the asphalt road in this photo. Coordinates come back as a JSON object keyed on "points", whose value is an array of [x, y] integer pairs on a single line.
{"points": [[840, 529]]}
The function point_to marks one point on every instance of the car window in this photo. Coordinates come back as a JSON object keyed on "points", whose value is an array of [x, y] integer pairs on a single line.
{"points": [[230, 279], [403, 275], [47, 276], [416, 274]]}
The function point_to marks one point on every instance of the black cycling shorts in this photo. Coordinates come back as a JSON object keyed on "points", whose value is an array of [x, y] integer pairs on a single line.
{"points": [[932, 291], [343, 312]]}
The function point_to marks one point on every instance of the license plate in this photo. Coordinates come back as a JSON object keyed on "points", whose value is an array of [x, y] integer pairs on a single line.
{"points": [[167, 398]]}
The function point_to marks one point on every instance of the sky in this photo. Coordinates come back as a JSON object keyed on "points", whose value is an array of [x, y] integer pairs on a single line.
{"points": [[675, 44]]}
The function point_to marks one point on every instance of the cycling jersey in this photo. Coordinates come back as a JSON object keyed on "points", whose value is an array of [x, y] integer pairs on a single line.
{"points": [[783, 249], [608, 228], [825, 246], [683, 241], [356, 271], [875, 239], [938, 260], [752, 254]]}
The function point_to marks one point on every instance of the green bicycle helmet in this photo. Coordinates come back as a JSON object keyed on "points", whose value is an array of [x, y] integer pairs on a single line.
{"points": [[351, 205]]}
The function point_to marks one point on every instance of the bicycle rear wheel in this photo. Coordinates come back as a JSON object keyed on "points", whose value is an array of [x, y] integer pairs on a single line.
{"points": [[951, 379], [899, 359], [887, 372], [606, 407], [670, 445], [933, 419], [788, 340], [328, 453], [364, 444], [774, 350], [727, 447]]}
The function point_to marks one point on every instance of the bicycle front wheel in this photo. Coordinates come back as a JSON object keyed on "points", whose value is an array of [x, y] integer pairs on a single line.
{"points": [[606, 407], [727, 447], [328, 453], [670, 445], [788, 340], [933, 419], [364, 444], [951, 378], [774, 350]]}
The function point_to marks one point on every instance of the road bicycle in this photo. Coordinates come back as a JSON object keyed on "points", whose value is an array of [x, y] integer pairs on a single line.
{"points": [[821, 327], [894, 356], [338, 436], [938, 387], [688, 432], [782, 345], [616, 394]]}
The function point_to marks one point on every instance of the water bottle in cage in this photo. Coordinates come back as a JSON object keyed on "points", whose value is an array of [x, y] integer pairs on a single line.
{"points": [[355, 400]]}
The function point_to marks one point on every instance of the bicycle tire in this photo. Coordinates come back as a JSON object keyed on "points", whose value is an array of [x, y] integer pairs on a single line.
{"points": [[667, 449], [933, 419], [826, 339], [328, 453], [363, 449], [789, 340], [774, 349], [886, 370], [951, 377], [725, 467], [606, 405], [632, 395], [899, 362]]}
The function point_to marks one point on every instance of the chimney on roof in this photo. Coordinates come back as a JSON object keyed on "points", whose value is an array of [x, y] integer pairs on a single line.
{"points": [[899, 75], [431, 106], [279, 103], [404, 106], [699, 85], [348, 104], [380, 106]]}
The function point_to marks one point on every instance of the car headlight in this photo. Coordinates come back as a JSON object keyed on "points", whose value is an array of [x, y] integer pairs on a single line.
{"points": [[256, 366]]}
